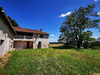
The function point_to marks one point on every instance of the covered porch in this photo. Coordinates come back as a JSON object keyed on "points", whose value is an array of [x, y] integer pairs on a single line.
{"points": [[23, 45]]}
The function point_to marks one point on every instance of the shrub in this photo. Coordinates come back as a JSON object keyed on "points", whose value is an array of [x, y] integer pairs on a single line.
{"points": [[96, 47]]}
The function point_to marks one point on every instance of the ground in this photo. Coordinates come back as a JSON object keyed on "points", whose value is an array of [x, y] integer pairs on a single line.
{"points": [[53, 61]]}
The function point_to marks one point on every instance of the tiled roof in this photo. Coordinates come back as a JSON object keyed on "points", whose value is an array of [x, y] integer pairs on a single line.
{"points": [[29, 30]]}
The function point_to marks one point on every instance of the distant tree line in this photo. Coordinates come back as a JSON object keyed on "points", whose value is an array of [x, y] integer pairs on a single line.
{"points": [[56, 42], [73, 31], [14, 23]]}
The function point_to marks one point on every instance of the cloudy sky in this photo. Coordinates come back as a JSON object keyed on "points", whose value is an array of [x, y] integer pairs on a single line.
{"points": [[45, 14]]}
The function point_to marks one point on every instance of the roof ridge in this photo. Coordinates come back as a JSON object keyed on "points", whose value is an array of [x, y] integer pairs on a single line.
{"points": [[28, 30]]}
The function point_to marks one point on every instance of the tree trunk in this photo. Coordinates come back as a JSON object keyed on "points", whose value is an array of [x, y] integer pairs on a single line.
{"points": [[79, 42], [78, 45]]}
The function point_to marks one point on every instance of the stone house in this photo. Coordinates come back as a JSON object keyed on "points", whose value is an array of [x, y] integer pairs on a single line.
{"points": [[7, 33], [30, 38], [19, 38]]}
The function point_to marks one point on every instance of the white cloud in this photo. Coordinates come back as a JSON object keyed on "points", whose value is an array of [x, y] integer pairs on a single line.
{"points": [[63, 15], [52, 40], [52, 35], [95, 0], [98, 13]]}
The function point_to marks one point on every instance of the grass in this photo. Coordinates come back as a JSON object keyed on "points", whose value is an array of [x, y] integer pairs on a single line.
{"points": [[53, 61]]}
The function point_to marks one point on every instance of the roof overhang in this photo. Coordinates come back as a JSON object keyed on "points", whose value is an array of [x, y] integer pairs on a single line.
{"points": [[7, 19]]}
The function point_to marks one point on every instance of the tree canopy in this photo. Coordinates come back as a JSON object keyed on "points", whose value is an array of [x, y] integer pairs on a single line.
{"points": [[86, 36], [14, 23], [77, 22]]}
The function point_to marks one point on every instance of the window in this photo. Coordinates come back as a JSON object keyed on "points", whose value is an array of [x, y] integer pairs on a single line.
{"points": [[1, 41], [10, 44], [41, 36]]}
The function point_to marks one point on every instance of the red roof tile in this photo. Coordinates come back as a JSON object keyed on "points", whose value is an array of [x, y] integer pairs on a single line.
{"points": [[29, 30]]}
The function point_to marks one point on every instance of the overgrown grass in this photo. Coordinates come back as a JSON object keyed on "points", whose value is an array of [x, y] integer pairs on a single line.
{"points": [[53, 61]]}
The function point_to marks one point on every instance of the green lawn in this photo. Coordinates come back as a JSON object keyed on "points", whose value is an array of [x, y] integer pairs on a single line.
{"points": [[53, 61]]}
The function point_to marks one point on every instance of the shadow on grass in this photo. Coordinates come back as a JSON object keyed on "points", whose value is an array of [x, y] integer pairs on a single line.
{"points": [[67, 48]]}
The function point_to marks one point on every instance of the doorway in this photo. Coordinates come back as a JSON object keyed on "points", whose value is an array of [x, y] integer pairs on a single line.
{"points": [[39, 45], [28, 45]]}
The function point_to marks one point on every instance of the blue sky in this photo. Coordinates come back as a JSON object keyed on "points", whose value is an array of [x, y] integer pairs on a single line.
{"points": [[45, 14]]}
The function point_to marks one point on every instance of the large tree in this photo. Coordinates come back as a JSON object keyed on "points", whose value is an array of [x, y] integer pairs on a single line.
{"points": [[14, 23], [77, 22]]}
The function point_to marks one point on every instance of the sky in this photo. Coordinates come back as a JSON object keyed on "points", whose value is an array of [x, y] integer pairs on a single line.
{"points": [[45, 14]]}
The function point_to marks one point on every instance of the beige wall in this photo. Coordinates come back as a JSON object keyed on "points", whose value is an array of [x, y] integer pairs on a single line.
{"points": [[19, 44], [44, 42], [22, 44], [6, 35]]}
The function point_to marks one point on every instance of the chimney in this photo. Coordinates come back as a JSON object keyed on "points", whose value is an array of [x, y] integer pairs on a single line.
{"points": [[41, 30]]}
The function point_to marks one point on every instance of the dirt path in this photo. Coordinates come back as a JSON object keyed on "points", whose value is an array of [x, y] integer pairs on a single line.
{"points": [[4, 59]]}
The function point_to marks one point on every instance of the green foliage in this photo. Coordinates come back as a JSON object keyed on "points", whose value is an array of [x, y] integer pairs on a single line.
{"points": [[77, 22], [55, 43], [53, 62], [95, 45], [14, 23], [98, 39], [86, 38]]}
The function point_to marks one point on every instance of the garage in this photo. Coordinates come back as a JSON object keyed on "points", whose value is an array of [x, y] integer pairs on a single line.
{"points": [[23, 44]]}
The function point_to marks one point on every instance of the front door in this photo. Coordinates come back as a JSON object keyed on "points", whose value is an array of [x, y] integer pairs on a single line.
{"points": [[28, 44]]}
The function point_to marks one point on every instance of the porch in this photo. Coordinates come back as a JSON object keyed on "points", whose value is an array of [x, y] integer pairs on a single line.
{"points": [[23, 44]]}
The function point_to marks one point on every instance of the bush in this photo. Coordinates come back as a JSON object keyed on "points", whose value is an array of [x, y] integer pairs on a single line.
{"points": [[70, 45], [96, 47]]}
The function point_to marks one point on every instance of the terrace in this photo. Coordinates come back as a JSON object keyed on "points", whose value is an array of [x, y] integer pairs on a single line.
{"points": [[23, 38]]}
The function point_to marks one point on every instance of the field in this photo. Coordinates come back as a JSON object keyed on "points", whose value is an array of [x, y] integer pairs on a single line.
{"points": [[53, 61], [55, 45]]}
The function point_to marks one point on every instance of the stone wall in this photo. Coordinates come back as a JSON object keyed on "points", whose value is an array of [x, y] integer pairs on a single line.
{"points": [[6, 36], [44, 42]]}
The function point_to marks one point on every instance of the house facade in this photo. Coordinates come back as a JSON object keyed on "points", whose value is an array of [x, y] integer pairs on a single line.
{"points": [[7, 33], [30, 38]]}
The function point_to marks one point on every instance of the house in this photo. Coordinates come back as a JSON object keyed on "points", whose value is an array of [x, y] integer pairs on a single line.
{"points": [[30, 38], [19, 38], [7, 33]]}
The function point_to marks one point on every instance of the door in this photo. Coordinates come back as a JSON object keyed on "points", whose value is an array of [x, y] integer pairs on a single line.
{"points": [[39, 45], [28, 44]]}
